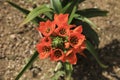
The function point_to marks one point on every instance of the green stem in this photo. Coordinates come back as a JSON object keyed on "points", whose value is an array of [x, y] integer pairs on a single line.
{"points": [[68, 77], [68, 69]]}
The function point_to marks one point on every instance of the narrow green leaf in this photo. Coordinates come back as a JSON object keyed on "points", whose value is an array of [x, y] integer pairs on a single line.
{"points": [[49, 15], [72, 15], [66, 7], [25, 11], [33, 58], [35, 12], [90, 34], [74, 2], [90, 22], [92, 12], [91, 49], [56, 5], [84, 19], [18, 7]]}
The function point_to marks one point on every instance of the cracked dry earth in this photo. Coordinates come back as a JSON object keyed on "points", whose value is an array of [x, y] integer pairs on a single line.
{"points": [[17, 44]]}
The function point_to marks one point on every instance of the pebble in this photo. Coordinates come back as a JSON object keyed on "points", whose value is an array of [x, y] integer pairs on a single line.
{"points": [[13, 36]]}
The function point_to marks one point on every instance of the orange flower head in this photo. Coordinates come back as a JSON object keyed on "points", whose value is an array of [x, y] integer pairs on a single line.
{"points": [[57, 55], [46, 28], [76, 39], [71, 56], [44, 50], [62, 30], [61, 19]]}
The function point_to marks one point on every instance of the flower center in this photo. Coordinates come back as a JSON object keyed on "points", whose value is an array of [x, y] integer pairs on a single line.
{"points": [[47, 30], [73, 40], [57, 41], [46, 40], [62, 31], [58, 53], [46, 49]]}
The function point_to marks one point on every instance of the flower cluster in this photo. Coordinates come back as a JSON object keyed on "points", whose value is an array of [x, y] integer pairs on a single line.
{"points": [[61, 41]]}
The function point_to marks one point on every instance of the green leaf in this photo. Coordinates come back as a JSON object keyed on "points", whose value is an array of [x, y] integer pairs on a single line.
{"points": [[84, 19], [33, 58], [92, 12], [35, 12], [90, 34], [66, 7], [25, 11], [49, 15], [18, 7], [74, 2], [91, 49], [72, 15], [56, 5]]}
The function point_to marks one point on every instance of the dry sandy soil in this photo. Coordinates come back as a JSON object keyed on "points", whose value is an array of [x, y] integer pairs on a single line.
{"points": [[17, 44]]}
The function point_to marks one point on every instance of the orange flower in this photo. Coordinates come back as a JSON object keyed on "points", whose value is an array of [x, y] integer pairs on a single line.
{"points": [[61, 19], [44, 50], [62, 30], [81, 48], [57, 55], [46, 28], [76, 39], [71, 56], [46, 40]]}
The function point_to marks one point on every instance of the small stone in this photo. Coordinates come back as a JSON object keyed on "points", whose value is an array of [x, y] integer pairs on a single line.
{"points": [[12, 36]]}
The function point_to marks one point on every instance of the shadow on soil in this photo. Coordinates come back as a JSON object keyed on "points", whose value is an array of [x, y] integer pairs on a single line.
{"points": [[88, 69]]}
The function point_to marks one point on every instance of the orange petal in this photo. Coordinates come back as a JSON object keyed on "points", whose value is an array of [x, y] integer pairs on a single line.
{"points": [[71, 56], [67, 45], [78, 29], [61, 19]]}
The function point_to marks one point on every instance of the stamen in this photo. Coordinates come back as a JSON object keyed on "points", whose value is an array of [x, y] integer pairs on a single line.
{"points": [[58, 53], [48, 30], [73, 40], [62, 31], [46, 49], [46, 40]]}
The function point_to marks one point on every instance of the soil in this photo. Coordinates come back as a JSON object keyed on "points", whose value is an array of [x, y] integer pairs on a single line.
{"points": [[17, 44]]}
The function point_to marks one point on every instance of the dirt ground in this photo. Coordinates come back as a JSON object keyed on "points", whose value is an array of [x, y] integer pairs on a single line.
{"points": [[17, 44]]}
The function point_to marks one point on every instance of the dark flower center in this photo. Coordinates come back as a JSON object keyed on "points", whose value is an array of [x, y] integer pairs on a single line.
{"points": [[46, 40], [46, 49], [47, 30], [62, 31], [58, 53], [73, 40]]}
